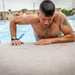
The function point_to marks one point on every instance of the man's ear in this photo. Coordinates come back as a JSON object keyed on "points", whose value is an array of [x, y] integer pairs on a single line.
{"points": [[38, 13]]}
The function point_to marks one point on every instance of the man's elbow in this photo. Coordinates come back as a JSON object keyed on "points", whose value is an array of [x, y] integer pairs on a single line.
{"points": [[74, 37], [71, 37]]}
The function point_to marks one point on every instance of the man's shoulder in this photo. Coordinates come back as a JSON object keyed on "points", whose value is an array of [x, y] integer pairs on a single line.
{"points": [[59, 14], [33, 18]]}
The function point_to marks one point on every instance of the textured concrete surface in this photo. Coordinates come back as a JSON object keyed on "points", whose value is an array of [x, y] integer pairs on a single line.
{"points": [[30, 59]]}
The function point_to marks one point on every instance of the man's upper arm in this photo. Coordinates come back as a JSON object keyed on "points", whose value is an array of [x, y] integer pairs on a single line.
{"points": [[65, 25]]}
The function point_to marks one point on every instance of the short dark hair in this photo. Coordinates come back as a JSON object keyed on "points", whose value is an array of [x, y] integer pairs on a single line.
{"points": [[47, 7]]}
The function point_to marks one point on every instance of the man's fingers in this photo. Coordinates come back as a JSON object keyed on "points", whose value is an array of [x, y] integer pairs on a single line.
{"points": [[42, 42], [22, 42], [39, 42], [16, 42]]}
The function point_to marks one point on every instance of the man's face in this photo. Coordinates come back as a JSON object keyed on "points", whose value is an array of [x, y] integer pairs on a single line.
{"points": [[45, 20]]}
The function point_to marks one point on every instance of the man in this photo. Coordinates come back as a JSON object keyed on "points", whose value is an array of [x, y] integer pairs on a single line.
{"points": [[47, 25]]}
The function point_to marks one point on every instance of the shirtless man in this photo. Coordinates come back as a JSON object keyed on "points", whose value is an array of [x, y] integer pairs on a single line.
{"points": [[47, 25]]}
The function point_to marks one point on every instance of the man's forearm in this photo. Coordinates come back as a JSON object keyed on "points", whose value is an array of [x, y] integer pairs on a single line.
{"points": [[13, 29], [66, 38]]}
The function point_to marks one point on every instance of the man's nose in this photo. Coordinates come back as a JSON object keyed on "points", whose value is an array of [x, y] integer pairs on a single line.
{"points": [[46, 22]]}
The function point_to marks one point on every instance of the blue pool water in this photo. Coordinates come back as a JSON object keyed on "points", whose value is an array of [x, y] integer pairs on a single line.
{"points": [[28, 37], [72, 23], [5, 32]]}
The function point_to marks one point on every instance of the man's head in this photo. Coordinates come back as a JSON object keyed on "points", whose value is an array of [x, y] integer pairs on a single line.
{"points": [[47, 7], [46, 12]]}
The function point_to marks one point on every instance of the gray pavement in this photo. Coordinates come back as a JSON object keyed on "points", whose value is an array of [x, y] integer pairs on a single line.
{"points": [[30, 59]]}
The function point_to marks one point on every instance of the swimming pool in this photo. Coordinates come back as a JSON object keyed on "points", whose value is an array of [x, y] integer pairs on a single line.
{"points": [[28, 37]]}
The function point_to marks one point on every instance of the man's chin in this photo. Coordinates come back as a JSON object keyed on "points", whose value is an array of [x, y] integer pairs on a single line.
{"points": [[45, 26]]}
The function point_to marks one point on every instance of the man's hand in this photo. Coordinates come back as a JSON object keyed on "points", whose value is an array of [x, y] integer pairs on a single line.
{"points": [[43, 42], [16, 42]]}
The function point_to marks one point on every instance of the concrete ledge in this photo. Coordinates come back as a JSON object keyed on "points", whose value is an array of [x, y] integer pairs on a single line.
{"points": [[29, 59]]}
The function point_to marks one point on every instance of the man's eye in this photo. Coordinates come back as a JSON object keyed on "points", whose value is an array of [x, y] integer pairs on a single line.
{"points": [[49, 19], [44, 19]]}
